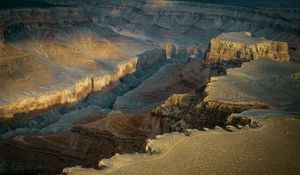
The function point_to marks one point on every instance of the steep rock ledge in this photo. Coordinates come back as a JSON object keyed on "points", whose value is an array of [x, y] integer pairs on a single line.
{"points": [[243, 47]]}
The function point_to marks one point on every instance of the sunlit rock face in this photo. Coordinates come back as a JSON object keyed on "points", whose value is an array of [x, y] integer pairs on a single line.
{"points": [[242, 46]]}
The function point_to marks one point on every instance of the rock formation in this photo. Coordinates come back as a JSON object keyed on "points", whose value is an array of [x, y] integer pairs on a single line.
{"points": [[296, 75], [175, 106], [243, 47]]}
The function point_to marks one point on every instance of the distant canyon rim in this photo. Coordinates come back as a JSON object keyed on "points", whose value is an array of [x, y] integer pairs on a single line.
{"points": [[83, 80]]}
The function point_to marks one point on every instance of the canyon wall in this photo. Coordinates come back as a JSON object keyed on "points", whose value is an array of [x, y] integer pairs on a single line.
{"points": [[75, 93]]}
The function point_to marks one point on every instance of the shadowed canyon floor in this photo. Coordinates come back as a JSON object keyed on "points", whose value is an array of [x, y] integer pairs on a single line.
{"points": [[86, 84]]}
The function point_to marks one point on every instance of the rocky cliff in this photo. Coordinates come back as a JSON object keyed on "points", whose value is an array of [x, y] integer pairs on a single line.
{"points": [[244, 47]]}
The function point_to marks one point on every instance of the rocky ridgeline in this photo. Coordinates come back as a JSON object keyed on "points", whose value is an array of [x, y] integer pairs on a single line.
{"points": [[243, 47]]}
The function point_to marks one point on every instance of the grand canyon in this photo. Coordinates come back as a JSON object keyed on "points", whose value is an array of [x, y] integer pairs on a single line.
{"points": [[149, 87]]}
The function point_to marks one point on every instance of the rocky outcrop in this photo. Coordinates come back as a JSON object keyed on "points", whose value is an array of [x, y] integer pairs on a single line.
{"points": [[296, 75], [176, 106], [243, 47]]}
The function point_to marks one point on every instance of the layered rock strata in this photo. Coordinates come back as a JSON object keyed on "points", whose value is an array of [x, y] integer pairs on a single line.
{"points": [[85, 145], [243, 47]]}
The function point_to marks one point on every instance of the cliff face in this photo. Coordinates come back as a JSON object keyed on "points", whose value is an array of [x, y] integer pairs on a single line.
{"points": [[243, 47]]}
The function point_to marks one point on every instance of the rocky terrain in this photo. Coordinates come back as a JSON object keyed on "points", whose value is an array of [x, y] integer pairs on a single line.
{"points": [[81, 81]]}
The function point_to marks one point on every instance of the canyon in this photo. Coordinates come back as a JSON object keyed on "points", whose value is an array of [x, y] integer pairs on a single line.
{"points": [[86, 84]]}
